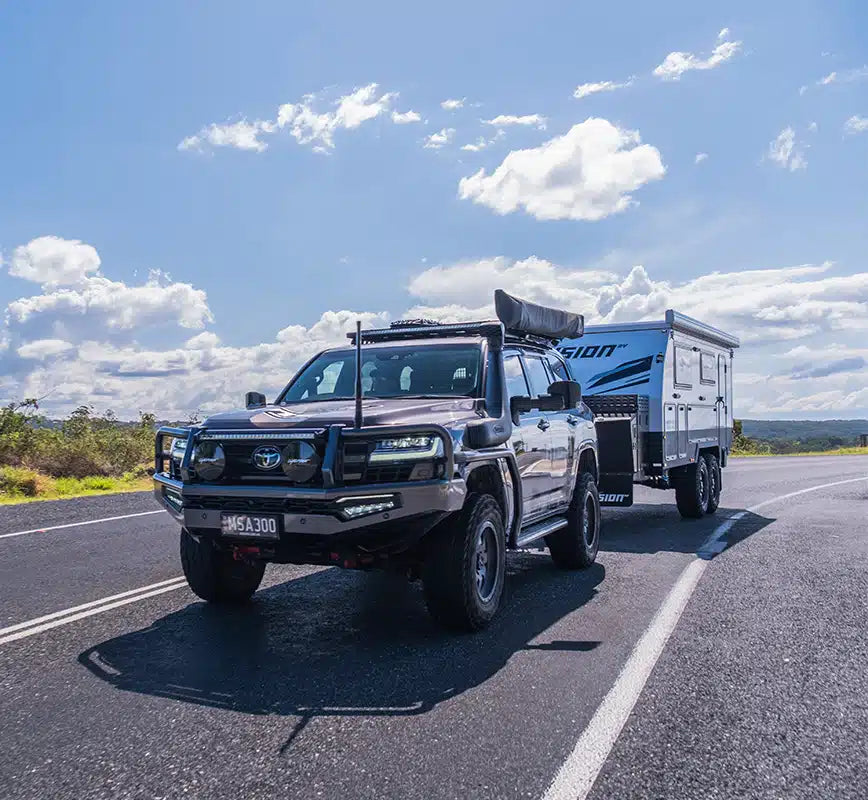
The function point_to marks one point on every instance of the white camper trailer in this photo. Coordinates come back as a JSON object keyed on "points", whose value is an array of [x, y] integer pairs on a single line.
{"points": [[661, 393]]}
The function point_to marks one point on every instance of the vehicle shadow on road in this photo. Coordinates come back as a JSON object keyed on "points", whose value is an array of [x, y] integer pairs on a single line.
{"points": [[340, 643], [647, 528]]}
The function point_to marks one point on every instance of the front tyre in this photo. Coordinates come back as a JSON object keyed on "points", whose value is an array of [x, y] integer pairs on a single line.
{"points": [[714, 481], [692, 489], [576, 545], [465, 565], [215, 575]]}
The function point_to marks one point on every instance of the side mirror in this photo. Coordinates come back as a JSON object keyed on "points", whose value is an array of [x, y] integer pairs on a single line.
{"points": [[547, 402], [520, 404], [254, 400], [570, 391]]}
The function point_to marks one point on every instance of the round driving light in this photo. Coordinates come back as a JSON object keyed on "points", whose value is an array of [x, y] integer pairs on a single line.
{"points": [[208, 461], [300, 461]]}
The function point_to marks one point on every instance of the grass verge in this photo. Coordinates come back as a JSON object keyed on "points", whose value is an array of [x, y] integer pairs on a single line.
{"points": [[841, 451], [22, 485]]}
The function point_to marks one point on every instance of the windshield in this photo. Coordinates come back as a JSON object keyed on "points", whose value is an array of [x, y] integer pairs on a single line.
{"points": [[400, 371]]}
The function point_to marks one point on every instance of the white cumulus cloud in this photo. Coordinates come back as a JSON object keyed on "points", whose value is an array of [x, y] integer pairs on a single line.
{"points": [[309, 126], [242, 135], [440, 139], [856, 124], [585, 89], [404, 117], [44, 348], [53, 261], [504, 120], [700, 157], [453, 104], [587, 173], [786, 152], [677, 62]]}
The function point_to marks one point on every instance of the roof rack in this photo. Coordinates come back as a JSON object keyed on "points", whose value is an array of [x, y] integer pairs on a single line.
{"points": [[427, 330], [530, 338]]}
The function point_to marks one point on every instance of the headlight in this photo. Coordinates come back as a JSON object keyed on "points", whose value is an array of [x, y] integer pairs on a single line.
{"points": [[402, 448], [208, 460], [300, 461], [179, 446]]}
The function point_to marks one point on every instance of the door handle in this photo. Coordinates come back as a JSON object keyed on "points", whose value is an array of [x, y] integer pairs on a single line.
{"points": [[572, 420], [543, 424]]}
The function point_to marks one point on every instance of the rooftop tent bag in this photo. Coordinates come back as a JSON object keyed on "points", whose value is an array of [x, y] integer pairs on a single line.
{"points": [[522, 316]]}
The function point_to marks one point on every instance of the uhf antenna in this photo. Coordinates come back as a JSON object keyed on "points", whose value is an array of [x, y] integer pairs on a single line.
{"points": [[358, 394]]}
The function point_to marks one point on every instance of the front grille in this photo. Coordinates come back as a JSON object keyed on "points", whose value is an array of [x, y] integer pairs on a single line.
{"points": [[264, 505], [387, 473], [240, 467]]}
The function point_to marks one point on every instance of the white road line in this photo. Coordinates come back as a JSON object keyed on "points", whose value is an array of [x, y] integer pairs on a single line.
{"points": [[67, 615], [805, 491], [577, 775], [76, 524]]}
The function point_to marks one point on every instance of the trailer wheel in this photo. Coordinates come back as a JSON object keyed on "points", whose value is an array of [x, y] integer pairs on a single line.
{"points": [[692, 485], [214, 575], [714, 482], [576, 545], [465, 566]]}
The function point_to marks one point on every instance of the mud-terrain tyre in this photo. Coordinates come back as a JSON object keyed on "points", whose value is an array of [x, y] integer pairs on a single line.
{"points": [[576, 545], [715, 482], [465, 565], [692, 489], [214, 575]]}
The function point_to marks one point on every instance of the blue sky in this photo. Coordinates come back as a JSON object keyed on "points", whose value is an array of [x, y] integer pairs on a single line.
{"points": [[255, 239]]}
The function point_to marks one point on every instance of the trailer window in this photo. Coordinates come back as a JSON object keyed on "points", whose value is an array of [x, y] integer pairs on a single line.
{"points": [[706, 369], [683, 366]]}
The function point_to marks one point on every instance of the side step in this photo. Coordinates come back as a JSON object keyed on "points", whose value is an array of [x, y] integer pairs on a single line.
{"points": [[540, 529]]}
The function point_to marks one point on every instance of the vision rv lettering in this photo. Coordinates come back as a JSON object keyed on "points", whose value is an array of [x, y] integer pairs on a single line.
{"points": [[661, 393]]}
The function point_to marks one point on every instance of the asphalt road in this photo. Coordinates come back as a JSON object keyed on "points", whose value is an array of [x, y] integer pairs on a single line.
{"points": [[335, 684]]}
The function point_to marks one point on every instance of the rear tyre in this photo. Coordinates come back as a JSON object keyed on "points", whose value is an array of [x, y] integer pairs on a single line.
{"points": [[692, 487], [214, 575], [465, 566], [576, 545], [714, 482]]}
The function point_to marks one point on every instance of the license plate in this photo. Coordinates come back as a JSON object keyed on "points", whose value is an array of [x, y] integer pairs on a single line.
{"points": [[260, 526]]}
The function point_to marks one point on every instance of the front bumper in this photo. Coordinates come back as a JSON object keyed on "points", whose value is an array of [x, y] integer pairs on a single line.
{"points": [[192, 505]]}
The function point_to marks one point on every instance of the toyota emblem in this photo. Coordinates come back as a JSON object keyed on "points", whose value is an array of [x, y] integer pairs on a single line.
{"points": [[266, 457]]}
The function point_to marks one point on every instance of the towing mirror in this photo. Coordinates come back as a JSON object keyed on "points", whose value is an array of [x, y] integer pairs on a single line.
{"points": [[254, 400], [547, 402], [571, 391]]}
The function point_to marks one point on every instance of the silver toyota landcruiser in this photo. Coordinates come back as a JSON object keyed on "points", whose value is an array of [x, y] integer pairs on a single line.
{"points": [[425, 448]]}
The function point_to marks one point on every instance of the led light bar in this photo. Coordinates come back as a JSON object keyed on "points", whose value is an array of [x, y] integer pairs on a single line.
{"points": [[228, 436], [355, 507]]}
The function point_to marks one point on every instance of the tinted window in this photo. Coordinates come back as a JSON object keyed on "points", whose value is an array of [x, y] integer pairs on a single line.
{"points": [[558, 368], [409, 370], [683, 366], [516, 385], [537, 375], [706, 368]]}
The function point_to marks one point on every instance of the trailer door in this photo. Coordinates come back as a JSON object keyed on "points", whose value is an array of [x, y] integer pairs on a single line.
{"points": [[670, 433], [722, 401]]}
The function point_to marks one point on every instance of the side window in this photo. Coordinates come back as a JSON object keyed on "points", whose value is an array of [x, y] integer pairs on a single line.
{"points": [[684, 366], [558, 368], [537, 374], [516, 385], [706, 369]]}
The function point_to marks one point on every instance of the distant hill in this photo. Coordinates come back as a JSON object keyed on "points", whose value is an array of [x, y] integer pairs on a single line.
{"points": [[803, 429]]}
